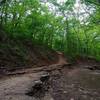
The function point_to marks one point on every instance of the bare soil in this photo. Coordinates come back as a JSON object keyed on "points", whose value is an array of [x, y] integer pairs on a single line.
{"points": [[67, 82]]}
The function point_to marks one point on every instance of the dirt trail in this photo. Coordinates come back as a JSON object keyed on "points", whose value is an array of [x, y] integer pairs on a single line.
{"points": [[14, 87], [61, 61], [65, 84], [76, 84]]}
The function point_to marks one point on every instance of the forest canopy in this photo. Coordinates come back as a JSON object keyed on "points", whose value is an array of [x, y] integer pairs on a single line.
{"points": [[70, 26]]}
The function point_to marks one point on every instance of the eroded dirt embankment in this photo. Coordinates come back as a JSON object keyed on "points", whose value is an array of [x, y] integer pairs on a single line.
{"points": [[17, 53]]}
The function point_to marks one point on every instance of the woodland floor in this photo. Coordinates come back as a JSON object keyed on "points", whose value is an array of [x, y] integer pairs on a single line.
{"points": [[67, 82]]}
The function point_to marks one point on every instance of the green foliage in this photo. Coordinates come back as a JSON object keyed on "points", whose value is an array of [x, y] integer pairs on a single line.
{"points": [[32, 20]]}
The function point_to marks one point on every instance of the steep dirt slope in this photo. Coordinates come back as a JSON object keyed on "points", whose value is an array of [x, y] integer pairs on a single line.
{"points": [[23, 53]]}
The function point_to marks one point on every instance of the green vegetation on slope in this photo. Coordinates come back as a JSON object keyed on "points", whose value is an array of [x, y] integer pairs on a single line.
{"points": [[74, 33]]}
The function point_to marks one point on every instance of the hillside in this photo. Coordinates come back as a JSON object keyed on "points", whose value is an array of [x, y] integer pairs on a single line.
{"points": [[18, 54]]}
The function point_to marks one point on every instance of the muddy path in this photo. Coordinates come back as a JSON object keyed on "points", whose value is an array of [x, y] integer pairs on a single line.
{"points": [[61, 61], [75, 84], [14, 85], [65, 83]]}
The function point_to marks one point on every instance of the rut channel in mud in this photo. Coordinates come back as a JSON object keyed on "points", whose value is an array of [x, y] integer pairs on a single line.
{"points": [[40, 88]]}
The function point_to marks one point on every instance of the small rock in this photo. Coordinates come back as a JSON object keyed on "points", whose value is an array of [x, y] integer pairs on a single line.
{"points": [[65, 92], [44, 78]]}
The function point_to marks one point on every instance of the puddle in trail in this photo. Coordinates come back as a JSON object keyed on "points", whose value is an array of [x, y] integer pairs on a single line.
{"points": [[89, 79], [77, 84]]}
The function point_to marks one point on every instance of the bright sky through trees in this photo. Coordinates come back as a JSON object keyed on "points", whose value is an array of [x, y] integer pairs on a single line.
{"points": [[80, 11]]}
